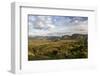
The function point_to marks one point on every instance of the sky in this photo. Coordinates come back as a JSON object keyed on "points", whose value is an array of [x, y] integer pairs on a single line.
{"points": [[56, 25]]}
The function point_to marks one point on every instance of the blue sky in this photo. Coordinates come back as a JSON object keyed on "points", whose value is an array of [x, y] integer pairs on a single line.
{"points": [[57, 25]]}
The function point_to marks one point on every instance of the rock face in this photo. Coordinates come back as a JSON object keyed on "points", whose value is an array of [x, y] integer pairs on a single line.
{"points": [[78, 36], [75, 36]]}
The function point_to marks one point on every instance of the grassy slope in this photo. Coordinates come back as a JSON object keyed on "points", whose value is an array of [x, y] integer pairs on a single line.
{"points": [[61, 49]]}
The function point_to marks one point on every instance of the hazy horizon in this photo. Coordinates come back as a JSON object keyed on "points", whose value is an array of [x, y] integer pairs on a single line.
{"points": [[54, 35]]}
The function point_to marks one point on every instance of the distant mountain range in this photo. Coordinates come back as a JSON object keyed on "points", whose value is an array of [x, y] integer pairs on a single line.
{"points": [[73, 36]]}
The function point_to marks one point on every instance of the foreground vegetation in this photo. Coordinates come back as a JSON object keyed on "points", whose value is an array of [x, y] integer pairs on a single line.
{"points": [[46, 49]]}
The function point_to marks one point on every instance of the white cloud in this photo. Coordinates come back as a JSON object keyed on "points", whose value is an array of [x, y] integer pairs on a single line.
{"points": [[42, 22], [43, 26], [82, 29]]}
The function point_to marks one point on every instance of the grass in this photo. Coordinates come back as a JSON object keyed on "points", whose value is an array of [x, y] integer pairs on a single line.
{"points": [[60, 49]]}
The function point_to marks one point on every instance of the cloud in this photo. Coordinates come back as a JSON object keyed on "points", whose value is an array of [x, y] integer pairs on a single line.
{"points": [[42, 23], [57, 25], [69, 30]]}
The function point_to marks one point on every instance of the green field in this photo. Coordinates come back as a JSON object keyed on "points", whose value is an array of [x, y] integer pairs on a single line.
{"points": [[46, 49]]}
